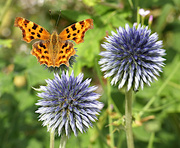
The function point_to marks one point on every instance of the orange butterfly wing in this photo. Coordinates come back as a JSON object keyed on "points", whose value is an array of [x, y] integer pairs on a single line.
{"points": [[30, 30], [41, 50], [53, 49], [76, 31]]}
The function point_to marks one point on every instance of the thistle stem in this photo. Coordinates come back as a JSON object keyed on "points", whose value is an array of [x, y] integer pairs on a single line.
{"points": [[128, 114], [63, 141], [110, 118], [51, 139]]}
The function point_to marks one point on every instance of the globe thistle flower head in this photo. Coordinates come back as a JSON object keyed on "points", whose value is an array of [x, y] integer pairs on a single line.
{"points": [[68, 104], [133, 57]]}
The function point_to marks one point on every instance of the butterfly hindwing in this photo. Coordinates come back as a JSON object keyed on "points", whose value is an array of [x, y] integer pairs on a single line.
{"points": [[65, 52], [41, 52]]}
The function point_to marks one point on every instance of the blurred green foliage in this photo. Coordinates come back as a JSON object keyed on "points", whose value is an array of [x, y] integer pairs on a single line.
{"points": [[157, 127]]}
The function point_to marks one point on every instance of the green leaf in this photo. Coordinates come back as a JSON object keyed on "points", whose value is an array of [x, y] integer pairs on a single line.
{"points": [[6, 83], [34, 143], [141, 134], [25, 99]]}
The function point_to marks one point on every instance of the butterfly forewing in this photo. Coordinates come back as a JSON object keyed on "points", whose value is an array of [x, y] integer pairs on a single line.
{"points": [[30, 30], [76, 31]]}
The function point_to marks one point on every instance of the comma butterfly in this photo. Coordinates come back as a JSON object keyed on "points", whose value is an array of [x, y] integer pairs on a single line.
{"points": [[53, 49]]}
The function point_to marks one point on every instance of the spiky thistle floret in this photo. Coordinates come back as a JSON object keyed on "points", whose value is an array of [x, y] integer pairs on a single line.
{"points": [[68, 104], [133, 57]]}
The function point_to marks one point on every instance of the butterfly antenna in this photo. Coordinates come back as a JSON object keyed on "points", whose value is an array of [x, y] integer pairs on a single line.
{"points": [[51, 20], [58, 19], [50, 13]]}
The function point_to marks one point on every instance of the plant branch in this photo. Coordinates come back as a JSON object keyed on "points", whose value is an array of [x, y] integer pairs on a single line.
{"points": [[128, 114]]}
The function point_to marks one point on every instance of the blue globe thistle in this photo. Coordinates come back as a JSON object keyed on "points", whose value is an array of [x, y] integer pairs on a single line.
{"points": [[68, 104], [133, 57]]}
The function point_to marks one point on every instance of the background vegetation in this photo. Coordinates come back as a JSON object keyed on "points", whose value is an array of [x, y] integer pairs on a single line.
{"points": [[158, 127]]}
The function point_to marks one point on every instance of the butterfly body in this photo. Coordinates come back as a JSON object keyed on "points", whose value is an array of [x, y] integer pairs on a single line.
{"points": [[53, 49]]}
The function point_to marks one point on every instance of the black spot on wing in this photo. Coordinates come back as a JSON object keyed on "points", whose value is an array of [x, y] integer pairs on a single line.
{"points": [[67, 30], [83, 32], [74, 38], [65, 45], [42, 45], [73, 27], [34, 26], [68, 36], [38, 35], [47, 59], [31, 37], [81, 22], [26, 22], [41, 30], [23, 32]]}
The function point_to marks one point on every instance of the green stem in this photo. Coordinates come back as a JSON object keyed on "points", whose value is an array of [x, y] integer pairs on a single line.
{"points": [[130, 3], [150, 144], [128, 114], [51, 139], [63, 141], [110, 111], [99, 74], [138, 17], [142, 20]]}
